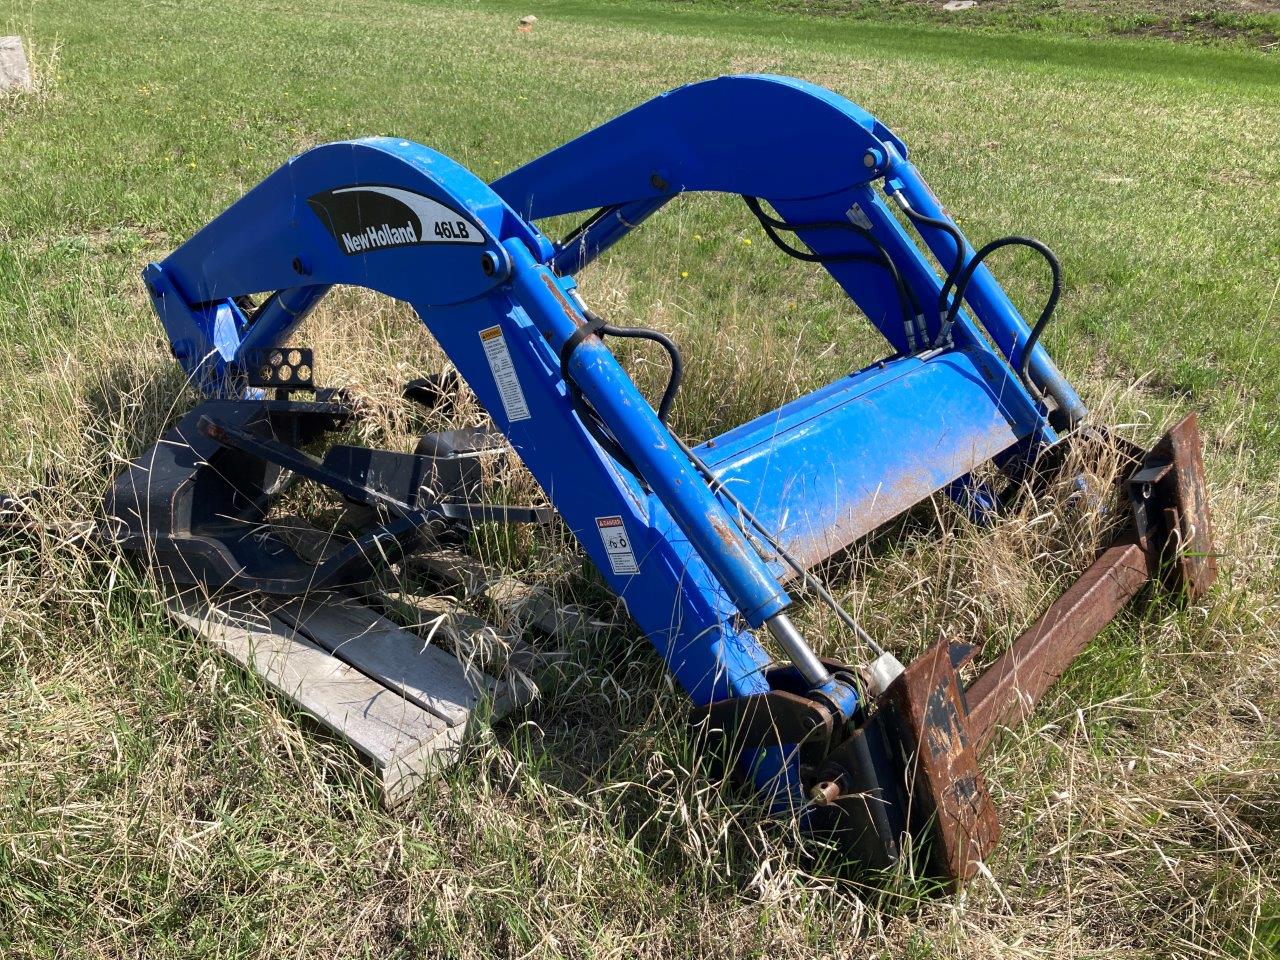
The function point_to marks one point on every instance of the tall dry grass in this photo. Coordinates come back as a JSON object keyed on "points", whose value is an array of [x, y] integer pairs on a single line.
{"points": [[154, 796]]}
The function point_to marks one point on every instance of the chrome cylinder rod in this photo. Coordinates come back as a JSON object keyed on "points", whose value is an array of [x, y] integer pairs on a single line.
{"points": [[797, 650]]}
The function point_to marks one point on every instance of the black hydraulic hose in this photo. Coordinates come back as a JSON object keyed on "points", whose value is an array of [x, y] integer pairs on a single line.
{"points": [[951, 230], [596, 325], [881, 256], [906, 296], [591, 419], [580, 231], [673, 352], [1028, 345]]}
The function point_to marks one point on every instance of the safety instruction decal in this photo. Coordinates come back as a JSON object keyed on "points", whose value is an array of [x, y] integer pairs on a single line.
{"points": [[617, 545], [504, 374]]}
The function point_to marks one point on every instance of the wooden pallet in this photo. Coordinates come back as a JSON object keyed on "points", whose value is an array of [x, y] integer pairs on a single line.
{"points": [[404, 703]]}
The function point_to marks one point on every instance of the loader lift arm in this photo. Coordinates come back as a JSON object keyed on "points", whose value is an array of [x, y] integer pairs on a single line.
{"points": [[499, 297]]}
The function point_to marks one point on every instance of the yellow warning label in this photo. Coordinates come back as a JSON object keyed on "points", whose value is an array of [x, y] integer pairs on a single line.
{"points": [[504, 374]]}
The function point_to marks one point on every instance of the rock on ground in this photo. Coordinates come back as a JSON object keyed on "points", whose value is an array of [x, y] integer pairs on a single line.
{"points": [[14, 71]]}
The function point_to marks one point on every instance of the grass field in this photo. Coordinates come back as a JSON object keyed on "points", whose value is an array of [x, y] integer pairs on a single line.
{"points": [[155, 803], [1251, 24]]}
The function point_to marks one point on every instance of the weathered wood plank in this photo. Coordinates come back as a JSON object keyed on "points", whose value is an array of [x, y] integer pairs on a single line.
{"points": [[405, 743], [371, 643]]}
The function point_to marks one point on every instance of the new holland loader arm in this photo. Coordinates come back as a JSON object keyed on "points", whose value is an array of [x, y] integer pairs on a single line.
{"points": [[696, 542]]}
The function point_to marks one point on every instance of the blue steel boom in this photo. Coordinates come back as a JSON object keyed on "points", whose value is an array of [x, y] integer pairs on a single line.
{"points": [[663, 524]]}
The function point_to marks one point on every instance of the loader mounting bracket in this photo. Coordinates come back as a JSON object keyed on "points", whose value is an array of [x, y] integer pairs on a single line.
{"points": [[196, 505]]}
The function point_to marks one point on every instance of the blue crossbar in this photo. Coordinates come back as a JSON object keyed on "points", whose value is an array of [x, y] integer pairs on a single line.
{"points": [[829, 467]]}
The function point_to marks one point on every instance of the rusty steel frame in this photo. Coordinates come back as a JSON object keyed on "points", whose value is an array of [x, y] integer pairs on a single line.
{"points": [[1008, 691], [1171, 538], [943, 730]]}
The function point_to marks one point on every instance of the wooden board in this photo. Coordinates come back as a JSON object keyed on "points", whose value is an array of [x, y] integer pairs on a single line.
{"points": [[420, 671], [404, 743]]}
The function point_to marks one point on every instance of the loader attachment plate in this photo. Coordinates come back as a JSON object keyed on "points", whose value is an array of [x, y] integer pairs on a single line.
{"points": [[942, 776]]}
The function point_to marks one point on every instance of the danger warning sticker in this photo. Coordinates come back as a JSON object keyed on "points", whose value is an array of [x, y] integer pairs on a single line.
{"points": [[617, 545], [504, 374]]}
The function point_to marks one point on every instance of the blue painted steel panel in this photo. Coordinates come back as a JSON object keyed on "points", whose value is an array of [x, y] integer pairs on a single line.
{"points": [[829, 468], [803, 149], [767, 136]]}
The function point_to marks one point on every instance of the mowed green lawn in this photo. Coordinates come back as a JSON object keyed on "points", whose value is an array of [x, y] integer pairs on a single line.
{"points": [[153, 802]]}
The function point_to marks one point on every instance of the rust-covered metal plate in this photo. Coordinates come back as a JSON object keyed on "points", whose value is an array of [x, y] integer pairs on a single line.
{"points": [[1194, 566], [1008, 691], [948, 792]]}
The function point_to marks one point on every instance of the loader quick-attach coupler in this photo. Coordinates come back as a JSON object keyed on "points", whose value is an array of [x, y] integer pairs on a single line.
{"points": [[903, 777]]}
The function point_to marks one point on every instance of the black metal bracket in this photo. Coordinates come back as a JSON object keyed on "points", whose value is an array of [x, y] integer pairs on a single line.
{"points": [[195, 507], [281, 368]]}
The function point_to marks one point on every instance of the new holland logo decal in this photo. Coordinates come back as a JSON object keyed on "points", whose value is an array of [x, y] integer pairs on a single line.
{"points": [[368, 218]]}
